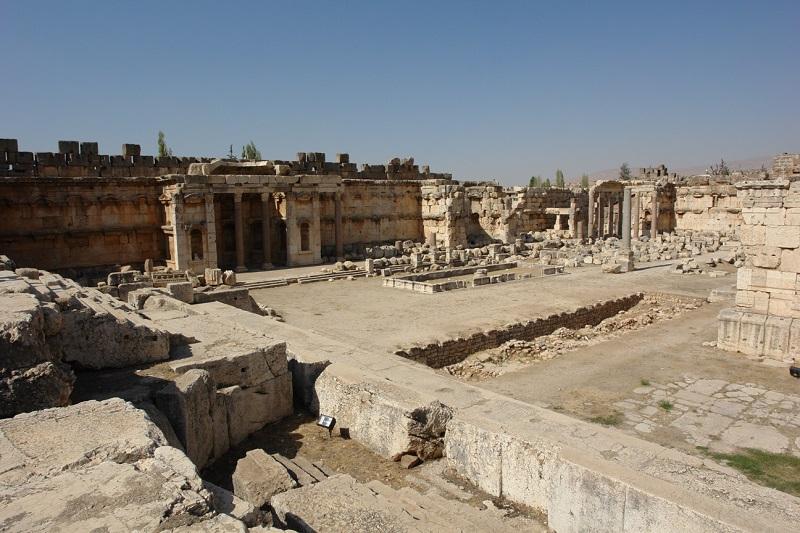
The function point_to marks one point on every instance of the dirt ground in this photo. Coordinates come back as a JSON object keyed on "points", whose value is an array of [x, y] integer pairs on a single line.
{"points": [[299, 435], [363, 313], [597, 382]]}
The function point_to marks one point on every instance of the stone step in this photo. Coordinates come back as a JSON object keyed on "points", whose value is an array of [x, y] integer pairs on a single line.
{"points": [[302, 477], [433, 519]]}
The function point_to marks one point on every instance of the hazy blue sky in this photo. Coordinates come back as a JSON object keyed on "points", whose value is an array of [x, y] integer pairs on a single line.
{"points": [[483, 89]]}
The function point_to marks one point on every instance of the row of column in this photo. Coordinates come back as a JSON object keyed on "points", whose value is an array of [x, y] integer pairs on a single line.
{"points": [[600, 225], [266, 230]]}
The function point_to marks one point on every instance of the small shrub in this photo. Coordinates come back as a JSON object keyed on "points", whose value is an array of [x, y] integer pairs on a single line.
{"points": [[666, 405]]}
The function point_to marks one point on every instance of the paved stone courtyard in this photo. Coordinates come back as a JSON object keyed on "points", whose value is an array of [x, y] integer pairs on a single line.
{"points": [[717, 414]]}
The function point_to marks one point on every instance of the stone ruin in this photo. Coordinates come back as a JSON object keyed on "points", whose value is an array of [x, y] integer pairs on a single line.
{"points": [[160, 363]]}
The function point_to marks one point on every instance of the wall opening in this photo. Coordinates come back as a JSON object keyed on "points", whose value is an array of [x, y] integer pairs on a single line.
{"points": [[196, 240], [305, 238]]}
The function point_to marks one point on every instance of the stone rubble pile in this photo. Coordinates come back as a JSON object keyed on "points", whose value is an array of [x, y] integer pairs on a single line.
{"points": [[497, 361]]}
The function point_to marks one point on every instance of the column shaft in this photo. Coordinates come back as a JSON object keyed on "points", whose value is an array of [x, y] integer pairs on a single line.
{"points": [[654, 215], [590, 215], [338, 226], [266, 220], [239, 228], [626, 219]]}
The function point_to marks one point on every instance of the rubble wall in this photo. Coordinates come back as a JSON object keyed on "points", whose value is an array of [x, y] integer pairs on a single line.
{"points": [[441, 354], [766, 318], [59, 223]]}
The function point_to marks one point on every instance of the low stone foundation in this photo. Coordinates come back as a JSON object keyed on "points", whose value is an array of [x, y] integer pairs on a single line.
{"points": [[429, 283], [759, 334], [441, 354]]}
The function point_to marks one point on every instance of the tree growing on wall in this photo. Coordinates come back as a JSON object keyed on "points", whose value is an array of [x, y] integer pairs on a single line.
{"points": [[546, 184], [625, 172], [585, 181], [163, 149], [535, 181], [721, 169], [559, 179], [231, 155], [250, 152]]}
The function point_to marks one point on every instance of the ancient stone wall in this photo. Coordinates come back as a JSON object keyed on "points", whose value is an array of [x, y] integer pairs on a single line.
{"points": [[707, 205], [373, 212], [441, 354], [786, 166], [766, 319], [59, 223]]}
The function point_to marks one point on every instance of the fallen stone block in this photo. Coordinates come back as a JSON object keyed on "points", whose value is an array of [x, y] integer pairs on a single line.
{"points": [[258, 477], [188, 403]]}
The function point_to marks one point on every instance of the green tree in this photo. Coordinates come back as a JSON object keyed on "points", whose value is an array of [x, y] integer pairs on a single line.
{"points": [[721, 169], [535, 181], [585, 181], [546, 184], [231, 155], [250, 152], [163, 149], [625, 172], [559, 179]]}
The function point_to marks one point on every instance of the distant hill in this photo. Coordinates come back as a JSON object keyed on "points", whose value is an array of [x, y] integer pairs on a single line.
{"points": [[738, 164]]}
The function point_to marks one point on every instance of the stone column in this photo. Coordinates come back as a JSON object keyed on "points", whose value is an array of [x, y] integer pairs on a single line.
{"points": [[635, 216], [290, 227], [239, 228], [573, 231], [182, 253], [590, 215], [315, 236], [211, 232], [654, 216], [600, 217], [620, 214], [626, 219], [338, 226], [557, 225], [266, 220]]}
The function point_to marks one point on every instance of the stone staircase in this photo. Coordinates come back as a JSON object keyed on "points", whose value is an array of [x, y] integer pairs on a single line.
{"points": [[437, 513], [342, 503], [303, 471]]}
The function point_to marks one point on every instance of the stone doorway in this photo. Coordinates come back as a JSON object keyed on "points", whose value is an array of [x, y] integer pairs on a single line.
{"points": [[279, 242]]}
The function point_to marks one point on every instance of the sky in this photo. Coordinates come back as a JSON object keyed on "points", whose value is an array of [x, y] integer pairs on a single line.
{"points": [[491, 90]]}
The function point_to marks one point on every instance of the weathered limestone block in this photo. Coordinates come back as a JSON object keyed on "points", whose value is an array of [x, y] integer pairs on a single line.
{"points": [[213, 276], [751, 333], [31, 374], [790, 260], [728, 329], [777, 330], [35, 387], [118, 278], [782, 236], [188, 403], [106, 455], [258, 477], [390, 420], [224, 501], [182, 291], [243, 368], [768, 257], [340, 503], [110, 338], [229, 278], [250, 409]]}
